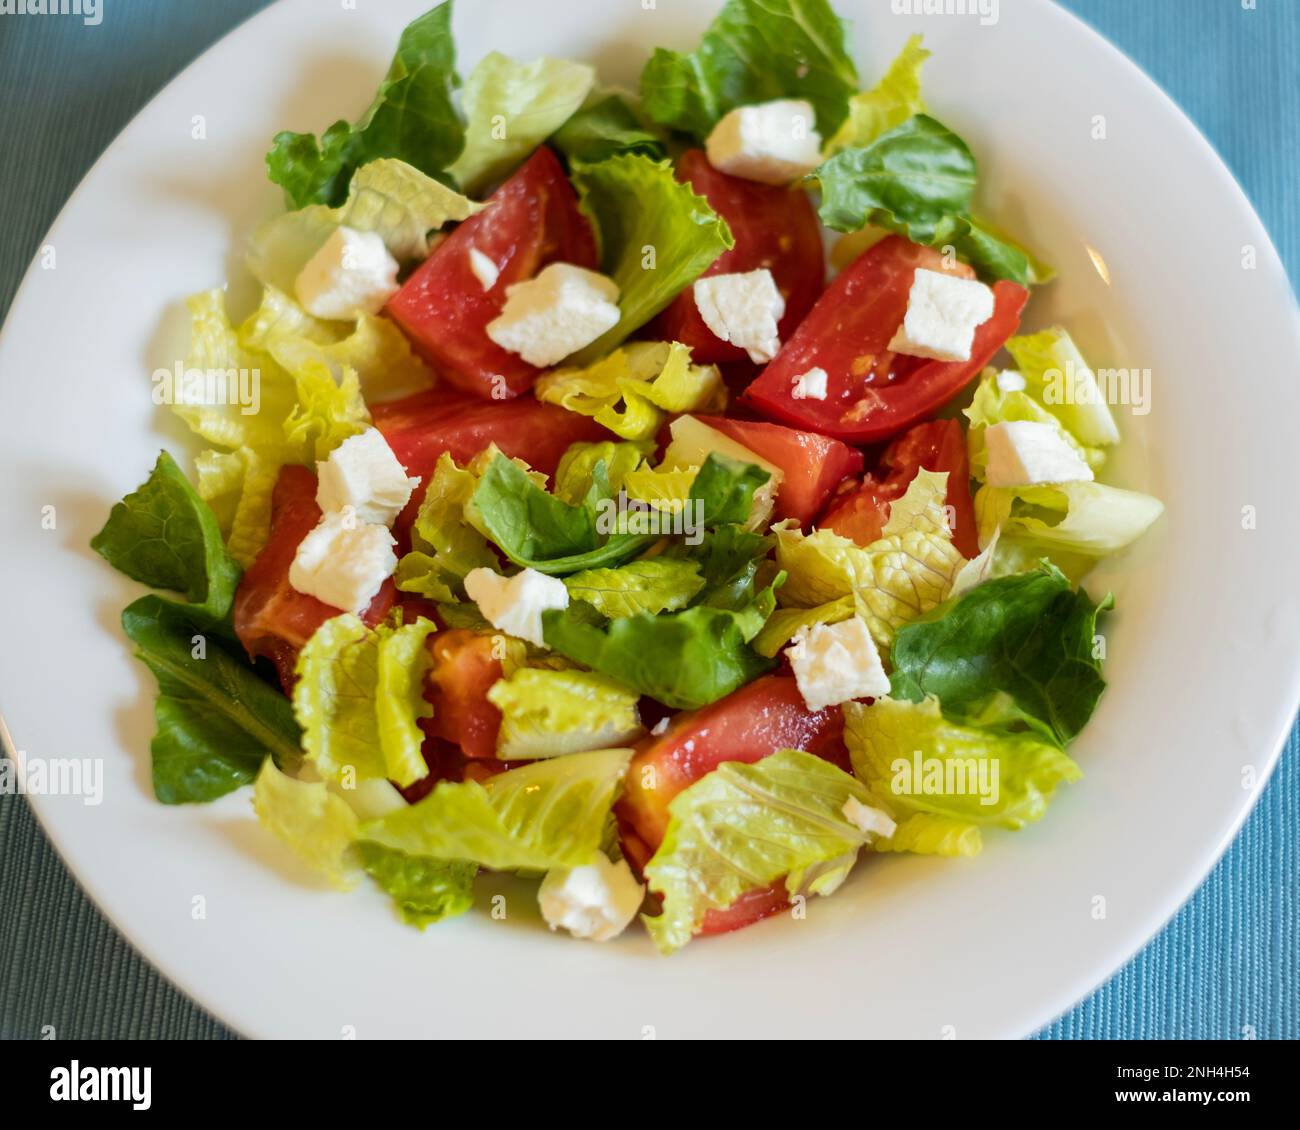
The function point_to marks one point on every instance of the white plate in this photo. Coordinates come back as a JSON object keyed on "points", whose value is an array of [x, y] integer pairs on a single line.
{"points": [[1203, 664]]}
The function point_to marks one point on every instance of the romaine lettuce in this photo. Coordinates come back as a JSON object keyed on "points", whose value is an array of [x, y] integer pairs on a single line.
{"points": [[653, 585], [606, 127], [317, 826], [547, 713], [894, 99]]}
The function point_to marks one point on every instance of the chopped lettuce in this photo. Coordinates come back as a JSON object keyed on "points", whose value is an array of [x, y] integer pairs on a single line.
{"points": [[742, 827], [549, 814], [359, 699], [785, 623], [390, 198], [694, 442], [1062, 381], [754, 51], [654, 584], [1015, 651], [423, 890], [885, 107], [576, 473], [412, 118], [941, 780], [634, 389], [511, 108], [547, 713], [606, 126], [656, 235], [317, 826]]}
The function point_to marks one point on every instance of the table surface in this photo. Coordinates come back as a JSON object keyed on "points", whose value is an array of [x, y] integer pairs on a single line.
{"points": [[1227, 965]]}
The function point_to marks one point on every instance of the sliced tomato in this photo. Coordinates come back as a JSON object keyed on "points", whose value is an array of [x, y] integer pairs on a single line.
{"points": [[812, 465], [774, 227], [753, 906], [465, 665], [272, 618], [939, 445], [873, 393], [530, 221]]}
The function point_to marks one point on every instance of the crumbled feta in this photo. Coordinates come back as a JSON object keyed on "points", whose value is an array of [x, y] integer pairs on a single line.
{"points": [[352, 274], [363, 474], [515, 604], [1010, 381], [943, 313], [555, 314], [773, 142], [834, 663], [744, 309], [811, 385], [344, 562], [1023, 453], [597, 901], [485, 270], [867, 819], [660, 727]]}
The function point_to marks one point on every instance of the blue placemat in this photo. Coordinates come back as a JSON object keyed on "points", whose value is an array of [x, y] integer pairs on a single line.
{"points": [[1228, 965]]}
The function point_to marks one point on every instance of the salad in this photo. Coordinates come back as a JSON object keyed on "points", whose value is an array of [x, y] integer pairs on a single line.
{"points": [[561, 510]]}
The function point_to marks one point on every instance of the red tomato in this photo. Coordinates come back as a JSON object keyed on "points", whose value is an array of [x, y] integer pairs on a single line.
{"points": [[464, 668], [753, 906], [873, 393], [812, 465], [530, 221], [774, 227], [272, 618], [940, 445]]}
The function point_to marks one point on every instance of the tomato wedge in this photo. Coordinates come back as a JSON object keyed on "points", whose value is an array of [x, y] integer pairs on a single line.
{"points": [[940, 445], [774, 227], [873, 394], [465, 665], [530, 221], [272, 618], [812, 465]]}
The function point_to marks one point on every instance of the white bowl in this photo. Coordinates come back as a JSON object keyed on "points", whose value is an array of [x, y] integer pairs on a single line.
{"points": [[1203, 665]]}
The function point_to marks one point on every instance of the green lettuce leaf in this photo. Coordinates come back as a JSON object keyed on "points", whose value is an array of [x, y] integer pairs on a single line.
{"points": [[742, 827], [576, 473], [1046, 360], [1015, 650], [606, 127], [511, 108], [693, 442], [359, 698], [412, 118], [313, 823], [885, 107], [218, 720], [656, 235], [636, 388], [754, 51], [549, 814], [724, 490], [996, 255], [942, 781], [653, 585], [785, 623], [165, 536], [547, 713], [424, 890]]}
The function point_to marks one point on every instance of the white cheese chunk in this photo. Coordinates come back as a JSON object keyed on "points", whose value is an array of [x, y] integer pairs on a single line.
{"points": [[563, 309], [352, 274], [362, 474], [943, 313], [344, 562], [484, 269], [867, 819], [1023, 453], [811, 385], [515, 604], [773, 142], [835, 663], [597, 901], [1010, 381], [744, 309]]}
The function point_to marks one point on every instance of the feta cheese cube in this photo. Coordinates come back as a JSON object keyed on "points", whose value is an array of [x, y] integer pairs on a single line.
{"points": [[515, 604], [835, 663], [744, 309], [484, 269], [352, 274], [1023, 453], [344, 562], [555, 314], [773, 142], [867, 819], [597, 901], [943, 313], [811, 385], [363, 473], [1010, 381]]}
